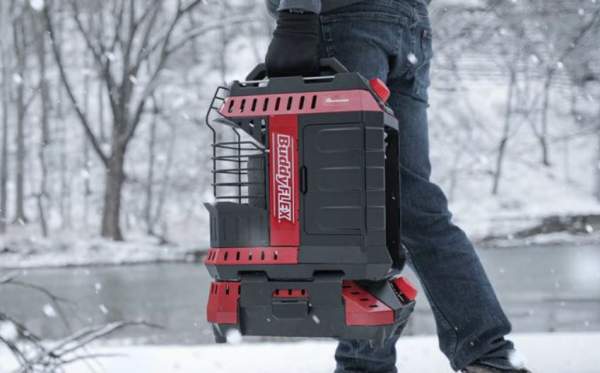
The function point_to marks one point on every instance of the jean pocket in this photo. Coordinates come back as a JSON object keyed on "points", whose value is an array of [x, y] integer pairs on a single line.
{"points": [[421, 62]]}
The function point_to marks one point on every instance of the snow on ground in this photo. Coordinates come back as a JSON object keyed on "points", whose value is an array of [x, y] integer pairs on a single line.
{"points": [[545, 353], [20, 250]]}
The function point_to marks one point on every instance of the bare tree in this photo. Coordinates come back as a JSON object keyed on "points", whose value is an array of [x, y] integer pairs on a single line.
{"points": [[40, 38], [144, 34], [19, 34], [4, 59]]}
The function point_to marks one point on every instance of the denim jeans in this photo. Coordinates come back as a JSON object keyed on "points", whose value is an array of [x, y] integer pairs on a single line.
{"points": [[391, 40]]}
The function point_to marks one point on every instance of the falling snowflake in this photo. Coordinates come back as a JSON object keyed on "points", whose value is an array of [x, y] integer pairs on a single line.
{"points": [[103, 309], [316, 319], [17, 79], [133, 79], [8, 331], [581, 12], [97, 287], [37, 5], [49, 311], [412, 58]]}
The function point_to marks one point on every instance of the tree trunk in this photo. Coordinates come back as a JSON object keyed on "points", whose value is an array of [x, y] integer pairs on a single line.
{"points": [[45, 130], [597, 168], [115, 177], [4, 150], [4, 60], [543, 136], [18, 35], [150, 173], [505, 134]]}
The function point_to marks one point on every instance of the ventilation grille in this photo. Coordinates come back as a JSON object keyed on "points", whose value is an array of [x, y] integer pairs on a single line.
{"points": [[261, 105], [253, 256], [290, 293]]}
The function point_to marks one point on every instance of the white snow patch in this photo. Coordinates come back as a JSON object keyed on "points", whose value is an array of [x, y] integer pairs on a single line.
{"points": [[517, 359], [8, 331], [548, 353], [234, 336], [27, 250]]}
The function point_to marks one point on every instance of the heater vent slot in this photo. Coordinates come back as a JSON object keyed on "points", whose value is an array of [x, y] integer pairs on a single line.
{"points": [[271, 104], [252, 256]]}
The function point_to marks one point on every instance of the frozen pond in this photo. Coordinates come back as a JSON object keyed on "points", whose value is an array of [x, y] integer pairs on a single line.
{"points": [[542, 289]]}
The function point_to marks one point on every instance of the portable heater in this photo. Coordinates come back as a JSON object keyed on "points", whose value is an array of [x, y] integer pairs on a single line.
{"points": [[304, 230]]}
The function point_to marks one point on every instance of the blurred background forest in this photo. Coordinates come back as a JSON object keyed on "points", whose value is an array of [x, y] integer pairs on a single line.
{"points": [[102, 107]]}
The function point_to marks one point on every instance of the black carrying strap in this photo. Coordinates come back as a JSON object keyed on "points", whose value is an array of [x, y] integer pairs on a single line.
{"points": [[327, 66]]}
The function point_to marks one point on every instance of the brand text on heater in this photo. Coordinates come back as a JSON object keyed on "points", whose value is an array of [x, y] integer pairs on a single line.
{"points": [[284, 177]]}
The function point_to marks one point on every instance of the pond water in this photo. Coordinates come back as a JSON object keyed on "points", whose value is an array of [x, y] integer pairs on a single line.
{"points": [[541, 288]]}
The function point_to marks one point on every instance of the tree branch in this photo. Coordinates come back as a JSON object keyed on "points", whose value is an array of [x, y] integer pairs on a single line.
{"points": [[65, 80]]}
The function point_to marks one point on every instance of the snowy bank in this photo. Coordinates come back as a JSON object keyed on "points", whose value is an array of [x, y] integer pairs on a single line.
{"points": [[18, 251], [545, 353]]}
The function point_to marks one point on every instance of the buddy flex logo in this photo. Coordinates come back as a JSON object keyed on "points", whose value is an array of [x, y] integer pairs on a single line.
{"points": [[284, 176]]}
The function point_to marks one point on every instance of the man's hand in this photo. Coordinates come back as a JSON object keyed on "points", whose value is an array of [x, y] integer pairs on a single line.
{"points": [[294, 49]]}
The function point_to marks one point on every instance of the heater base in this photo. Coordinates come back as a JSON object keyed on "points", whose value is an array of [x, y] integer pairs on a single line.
{"points": [[325, 307]]}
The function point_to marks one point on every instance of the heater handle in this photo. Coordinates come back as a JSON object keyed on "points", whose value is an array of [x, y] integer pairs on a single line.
{"points": [[327, 66]]}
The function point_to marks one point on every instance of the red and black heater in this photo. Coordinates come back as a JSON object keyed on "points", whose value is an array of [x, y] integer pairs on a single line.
{"points": [[304, 229]]}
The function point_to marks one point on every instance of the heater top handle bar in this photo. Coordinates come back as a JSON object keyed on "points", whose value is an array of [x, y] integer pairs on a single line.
{"points": [[327, 66]]}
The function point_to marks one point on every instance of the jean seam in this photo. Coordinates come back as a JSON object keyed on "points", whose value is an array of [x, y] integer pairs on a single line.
{"points": [[365, 16]]}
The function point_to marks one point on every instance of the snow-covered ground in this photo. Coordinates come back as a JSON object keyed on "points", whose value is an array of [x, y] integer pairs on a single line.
{"points": [[544, 353], [22, 250]]}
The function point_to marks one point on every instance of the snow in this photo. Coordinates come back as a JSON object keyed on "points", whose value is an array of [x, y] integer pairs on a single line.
{"points": [[24, 250], [37, 5], [49, 311], [412, 58], [547, 353], [8, 331]]}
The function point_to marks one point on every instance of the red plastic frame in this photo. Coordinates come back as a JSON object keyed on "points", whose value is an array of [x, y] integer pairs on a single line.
{"points": [[363, 309], [299, 103], [284, 189], [222, 305]]}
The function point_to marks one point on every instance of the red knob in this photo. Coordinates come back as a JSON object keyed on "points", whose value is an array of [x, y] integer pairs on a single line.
{"points": [[380, 89], [406, 288]]}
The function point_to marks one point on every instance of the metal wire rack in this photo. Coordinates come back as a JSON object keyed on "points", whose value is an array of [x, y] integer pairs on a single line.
{"points": [[238, 159]]}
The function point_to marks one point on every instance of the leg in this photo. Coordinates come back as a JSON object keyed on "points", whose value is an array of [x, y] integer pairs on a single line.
{"points": [[470, 322], [392, 41]]}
